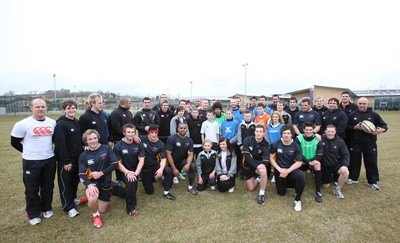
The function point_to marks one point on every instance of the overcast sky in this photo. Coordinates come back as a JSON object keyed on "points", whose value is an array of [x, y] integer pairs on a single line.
{"points": [[152, 47]]}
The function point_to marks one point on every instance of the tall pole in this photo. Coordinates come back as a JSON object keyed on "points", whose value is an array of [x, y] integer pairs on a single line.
{"points": [[74, 94], [191, 86], [245, 81], [55, 92]]}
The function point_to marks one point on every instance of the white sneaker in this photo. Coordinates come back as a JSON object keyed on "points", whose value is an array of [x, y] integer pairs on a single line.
{"points": [[72, 213], [273, 179], [35, 221], [297, 206], [350, 181], [231, 189], [258, 179], [48, 214], [181, 177], [175, 180], [338, 193], [374, 186], [212, 188]]}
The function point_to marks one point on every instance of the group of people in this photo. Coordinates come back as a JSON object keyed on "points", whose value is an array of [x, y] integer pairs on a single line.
{"points": [[258, 143]]}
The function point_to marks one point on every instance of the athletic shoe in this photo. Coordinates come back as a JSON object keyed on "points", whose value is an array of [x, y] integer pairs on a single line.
{"points": [[258, 179], [231, 189], [97, 222], [260, 199], [175, 180], [48, 214], [35, 221], [134, 213], [273, 179], [169, 196], [192, 191], [318, 197], [81, 201], [350, 181], [212, 188], [72, 213], [181, 177], [338, 193], [297, 206], [374, 186]]}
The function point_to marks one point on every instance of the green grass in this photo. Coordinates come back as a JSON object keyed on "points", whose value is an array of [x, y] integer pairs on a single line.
{"points": [[364, 216]]}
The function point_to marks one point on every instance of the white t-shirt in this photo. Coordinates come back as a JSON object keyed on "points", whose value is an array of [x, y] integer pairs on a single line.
{"points": [[37, 137], [223, 162], [210, 130]]}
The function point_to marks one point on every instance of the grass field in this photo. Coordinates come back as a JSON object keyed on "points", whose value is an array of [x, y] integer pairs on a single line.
{"points": [[364, 216]]}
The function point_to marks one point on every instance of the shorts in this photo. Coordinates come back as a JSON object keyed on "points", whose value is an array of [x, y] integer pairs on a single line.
{"points": [[330, 173], [104, 193], [249, 173]]}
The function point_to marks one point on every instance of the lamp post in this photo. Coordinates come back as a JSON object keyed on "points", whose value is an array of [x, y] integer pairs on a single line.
{"points": [[191, 88], [74, 94], [55, 93], [245, 81]]}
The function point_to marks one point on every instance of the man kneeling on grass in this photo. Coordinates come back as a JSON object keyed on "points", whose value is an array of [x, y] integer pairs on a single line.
{"points": [[336, 161], [95, 167], [287, 163]]}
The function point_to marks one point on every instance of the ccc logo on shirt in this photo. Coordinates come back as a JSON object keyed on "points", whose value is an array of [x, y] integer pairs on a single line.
{"points": [[46, 130]]}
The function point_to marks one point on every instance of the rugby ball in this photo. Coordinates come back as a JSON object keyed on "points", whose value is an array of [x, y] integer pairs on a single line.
{"points": [[368, 126]]}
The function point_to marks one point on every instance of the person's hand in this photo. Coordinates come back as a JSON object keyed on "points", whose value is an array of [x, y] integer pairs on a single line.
{"points": [[176, 172], [97, 174], [158, 173], [137, 140], [378, 130], [68, 167], [131, 176], [283, 173], [186, 168], [224, 178], [92, 191], [212, 175], [200, 180]]}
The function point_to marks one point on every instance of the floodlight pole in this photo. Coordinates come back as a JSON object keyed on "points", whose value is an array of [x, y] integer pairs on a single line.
{"points": [[55, 92], [245, 81]]}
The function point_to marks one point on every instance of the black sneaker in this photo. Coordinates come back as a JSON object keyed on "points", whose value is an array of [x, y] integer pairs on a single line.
{"points": [[192, 191], [318, 197], [260, 199], [169, 196]]}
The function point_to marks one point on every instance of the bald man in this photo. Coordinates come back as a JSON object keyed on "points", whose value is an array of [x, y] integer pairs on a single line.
{"points": [[33, 137], [362, 144]]}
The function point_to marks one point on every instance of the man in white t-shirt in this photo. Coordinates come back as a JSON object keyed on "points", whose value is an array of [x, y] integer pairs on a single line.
{"points": [[33, 137]]}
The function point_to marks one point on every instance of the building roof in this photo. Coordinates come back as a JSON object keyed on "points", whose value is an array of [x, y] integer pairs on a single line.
{"points": [[320, 86]]}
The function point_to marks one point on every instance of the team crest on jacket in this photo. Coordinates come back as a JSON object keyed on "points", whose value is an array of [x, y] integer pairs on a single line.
{"points": [[125, 151], [90, 162], [291, 152], [145, 145], [178, 144], [103, 156]]}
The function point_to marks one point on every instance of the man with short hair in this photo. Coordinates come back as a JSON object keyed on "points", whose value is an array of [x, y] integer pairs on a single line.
{"points": [[95, 118], [67, 148], [32, 136], [292, 109], [197, 103], [155, 163], [95, 167], [165, 115], [335, 161], [275, 100], [253, 103], [210, 130], [362, 144], [118, 118], [203, 109], [312, 152], [255, 152], [194, 125], [262, 117], [319, 105], [287, 165], [267, 110], [287, 118], [179, 149], [157, 107], [176, 120], [345, 104], [307, 114], [131, 157], [145, 117], [335, 116]]}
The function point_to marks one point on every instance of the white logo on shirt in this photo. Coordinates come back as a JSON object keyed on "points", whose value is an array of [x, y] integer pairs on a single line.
{"points": [[125, 151], [90, 162]]}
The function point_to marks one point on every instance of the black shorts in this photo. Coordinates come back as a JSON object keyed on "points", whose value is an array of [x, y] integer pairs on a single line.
{"points": [[330, 173], [104, 193], [249, 173]]}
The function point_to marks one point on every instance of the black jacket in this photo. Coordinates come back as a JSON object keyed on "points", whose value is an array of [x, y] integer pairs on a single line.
{"points": [[67, 140], [335, 152]]}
